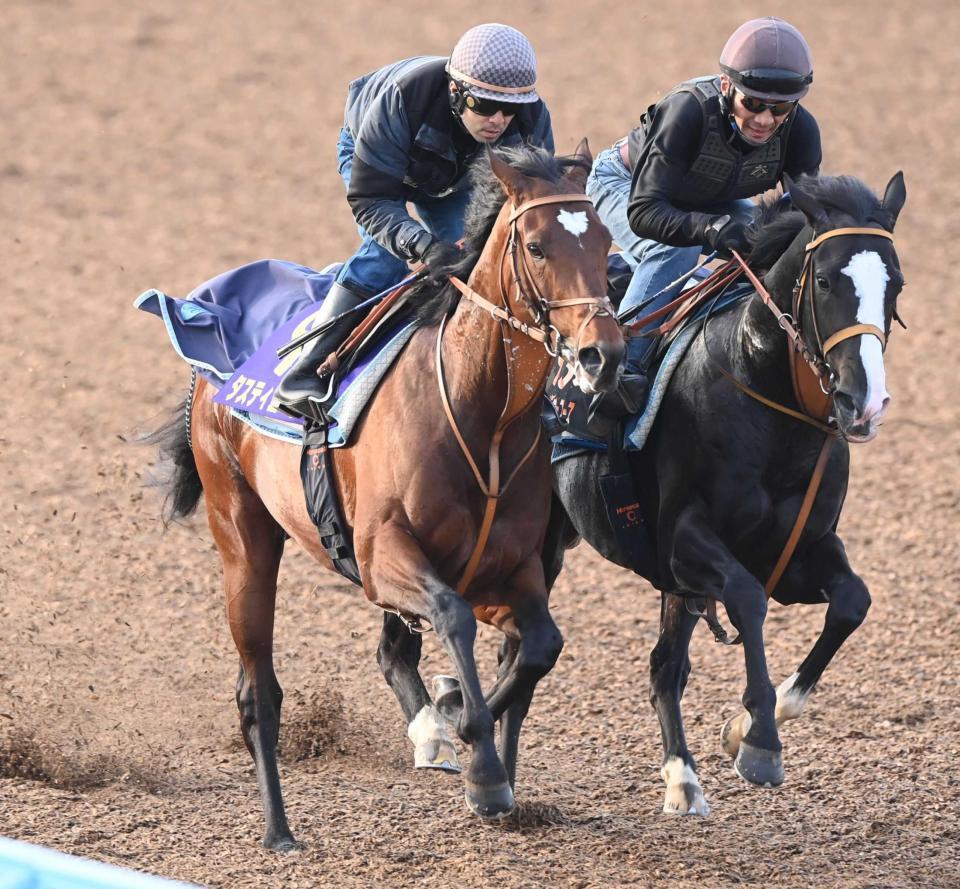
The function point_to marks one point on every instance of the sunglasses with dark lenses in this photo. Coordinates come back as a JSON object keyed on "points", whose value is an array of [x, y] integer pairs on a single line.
{"points": [[489, 107], [756, 106]]}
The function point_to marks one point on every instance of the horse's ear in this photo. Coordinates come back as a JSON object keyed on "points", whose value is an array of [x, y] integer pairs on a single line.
{"points": [[895, 196], [803, 201], [512, 180], [578, 174]]}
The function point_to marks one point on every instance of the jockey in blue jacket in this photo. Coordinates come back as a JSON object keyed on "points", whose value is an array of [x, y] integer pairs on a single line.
{"points": [[410, 131], [680, 182]]}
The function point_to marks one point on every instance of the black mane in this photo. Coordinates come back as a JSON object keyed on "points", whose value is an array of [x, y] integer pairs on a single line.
{"points": [[434, 300], [844, 199]]}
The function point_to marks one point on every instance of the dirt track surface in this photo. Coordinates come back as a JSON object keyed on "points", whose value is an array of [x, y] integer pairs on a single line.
{"points": [[155, 144]]}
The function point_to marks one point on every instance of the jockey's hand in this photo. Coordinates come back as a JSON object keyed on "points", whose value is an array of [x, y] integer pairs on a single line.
{"points": [[439, 257], [731, 236]]}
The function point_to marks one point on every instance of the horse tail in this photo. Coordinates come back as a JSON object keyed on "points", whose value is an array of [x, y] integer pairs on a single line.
{"points": [[181, 479]]}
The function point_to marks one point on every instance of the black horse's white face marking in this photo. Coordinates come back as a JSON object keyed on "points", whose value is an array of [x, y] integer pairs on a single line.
{"points": [[870, 277]]}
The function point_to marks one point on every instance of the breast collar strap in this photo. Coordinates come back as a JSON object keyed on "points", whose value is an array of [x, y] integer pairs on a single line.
{"points": [[541, 331]]}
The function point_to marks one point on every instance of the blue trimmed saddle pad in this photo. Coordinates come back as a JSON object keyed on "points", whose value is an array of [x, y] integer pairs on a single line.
{"points": [[230, 328]]}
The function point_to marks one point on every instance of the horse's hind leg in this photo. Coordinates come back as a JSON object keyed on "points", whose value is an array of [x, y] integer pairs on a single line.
{"points": [[823, 574], [251, 544], [399, 656], [669, 669]]}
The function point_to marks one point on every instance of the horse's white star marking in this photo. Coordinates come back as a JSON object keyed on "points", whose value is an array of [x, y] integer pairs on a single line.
{"points": [[575, 223]]}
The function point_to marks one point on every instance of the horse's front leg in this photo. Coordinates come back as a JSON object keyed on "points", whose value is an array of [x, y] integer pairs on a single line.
{"points": [[703, 564], [822, 574], [525, 659], [669, 669], [400, 573], [399, 657]]}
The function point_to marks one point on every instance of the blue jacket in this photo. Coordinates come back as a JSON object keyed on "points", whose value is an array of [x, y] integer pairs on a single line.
{"points": [[409, 145]]}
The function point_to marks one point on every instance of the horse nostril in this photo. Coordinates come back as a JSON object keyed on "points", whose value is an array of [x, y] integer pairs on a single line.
{"points": [[591, 360], [845, 404]]}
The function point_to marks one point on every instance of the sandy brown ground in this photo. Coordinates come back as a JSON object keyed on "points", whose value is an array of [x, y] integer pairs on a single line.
{"points": [[157, 143]]}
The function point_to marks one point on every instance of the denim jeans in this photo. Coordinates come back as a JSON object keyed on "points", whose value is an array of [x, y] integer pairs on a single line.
{"points": [[373, 268], [654, 265]]}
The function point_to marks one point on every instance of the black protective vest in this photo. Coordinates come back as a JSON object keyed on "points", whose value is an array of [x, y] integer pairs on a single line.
{"points": [[721, 171]]}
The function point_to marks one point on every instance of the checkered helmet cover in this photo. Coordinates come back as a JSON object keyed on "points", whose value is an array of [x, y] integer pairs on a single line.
{"points": [[495, 62]]}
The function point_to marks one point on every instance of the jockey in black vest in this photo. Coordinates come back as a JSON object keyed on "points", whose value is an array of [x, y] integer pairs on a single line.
{"points": [[410, 131], [679, 183]]}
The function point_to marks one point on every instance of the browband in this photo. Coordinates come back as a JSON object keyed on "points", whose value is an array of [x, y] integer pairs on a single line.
{"points": [[878, 232], [550, 199]]}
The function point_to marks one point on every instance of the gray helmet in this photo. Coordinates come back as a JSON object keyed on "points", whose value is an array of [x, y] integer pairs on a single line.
{"points": [[769, 59], [496, 62]]}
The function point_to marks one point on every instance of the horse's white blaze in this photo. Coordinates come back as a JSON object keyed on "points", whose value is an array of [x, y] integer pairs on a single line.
{"points": [[870, 276], [575, 223], [790, 701]]}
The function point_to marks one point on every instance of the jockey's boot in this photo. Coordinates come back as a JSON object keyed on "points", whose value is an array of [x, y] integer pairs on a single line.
{"points": [[302, 393]]}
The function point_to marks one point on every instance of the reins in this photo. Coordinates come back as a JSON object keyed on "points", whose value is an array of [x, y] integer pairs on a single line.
{"points": [[815, 408], [541, 331]]}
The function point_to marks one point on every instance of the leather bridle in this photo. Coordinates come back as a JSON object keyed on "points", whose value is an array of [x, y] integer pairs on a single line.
{"points": [[541, 330], [820, 361], [537, 304]]}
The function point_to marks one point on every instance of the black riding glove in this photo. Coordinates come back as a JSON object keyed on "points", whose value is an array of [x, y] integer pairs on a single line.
{"points": [[727, 236], [439, 257]]}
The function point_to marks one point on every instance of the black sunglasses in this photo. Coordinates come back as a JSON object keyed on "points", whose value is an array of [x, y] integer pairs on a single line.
{"points": [[489, 107], [778, 109]]}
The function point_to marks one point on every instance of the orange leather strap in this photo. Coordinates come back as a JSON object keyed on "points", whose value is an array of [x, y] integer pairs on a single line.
{"points": [[491, 489], [808, 499], [854, 330]]}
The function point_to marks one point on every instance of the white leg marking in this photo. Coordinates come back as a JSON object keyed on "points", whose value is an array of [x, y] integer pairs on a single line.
{"points": [[433, 747], [870, 276], [790, 701], [684, 795]]}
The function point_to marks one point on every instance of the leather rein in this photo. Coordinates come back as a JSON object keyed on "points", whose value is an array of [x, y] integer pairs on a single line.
{"points": [[542, 331], [814, 389]]}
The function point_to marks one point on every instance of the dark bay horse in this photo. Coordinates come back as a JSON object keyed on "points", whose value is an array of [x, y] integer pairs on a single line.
{"points": [[421, 485], [723, 475]]}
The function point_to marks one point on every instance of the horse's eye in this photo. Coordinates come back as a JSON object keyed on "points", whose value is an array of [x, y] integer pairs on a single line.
{"points": [[823, 282], [535, 251]]}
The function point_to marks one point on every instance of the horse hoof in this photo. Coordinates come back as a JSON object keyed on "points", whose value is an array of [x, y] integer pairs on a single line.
{"points": [[731, 735], [436, 754], [685, 799], [448, 698], [490, 802], [758, 766], [684, 794], [285, 843]]}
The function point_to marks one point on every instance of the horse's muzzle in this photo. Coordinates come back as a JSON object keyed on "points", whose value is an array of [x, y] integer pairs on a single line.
{"points": [[857, 423], [598, 366]]}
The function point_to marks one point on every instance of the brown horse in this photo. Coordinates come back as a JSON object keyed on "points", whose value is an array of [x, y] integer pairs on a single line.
{"points": [[412, 486]]}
